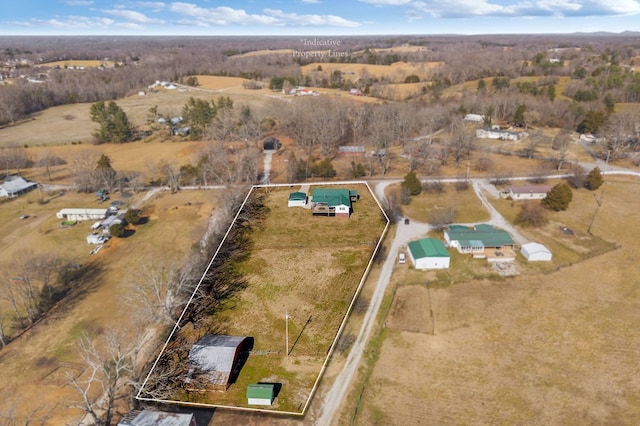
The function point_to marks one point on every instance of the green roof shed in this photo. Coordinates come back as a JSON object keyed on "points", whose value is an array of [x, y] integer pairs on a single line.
{"points": [[260, 394]]}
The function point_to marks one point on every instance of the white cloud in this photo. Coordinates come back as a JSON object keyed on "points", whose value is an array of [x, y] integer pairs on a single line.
{"points": [[221, 15], [387, 2], [520, 8], [78, 2], [77, 22], [293, 19], [133, 16], [311, 1]]}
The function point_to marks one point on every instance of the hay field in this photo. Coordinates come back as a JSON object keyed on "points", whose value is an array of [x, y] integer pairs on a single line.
{"points": [[266, 52], [33, 367], [396, 71], [78, 63], [309, 267], [548, 348]]}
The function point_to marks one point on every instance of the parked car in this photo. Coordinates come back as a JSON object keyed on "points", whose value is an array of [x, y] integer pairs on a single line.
{"points": [[406, 221], [402, 258]]}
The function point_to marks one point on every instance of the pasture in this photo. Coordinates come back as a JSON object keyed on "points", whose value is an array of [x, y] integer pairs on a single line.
{"points": [[552, 347], [308, 266], [34, 367]]}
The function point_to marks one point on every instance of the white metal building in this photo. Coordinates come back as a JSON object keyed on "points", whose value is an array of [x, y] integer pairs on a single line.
{"points": [[429, 253], [535, 252]]}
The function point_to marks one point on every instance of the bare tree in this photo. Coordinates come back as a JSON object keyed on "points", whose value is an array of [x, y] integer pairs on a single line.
{"points": [[47, 160], [441, 218], [561, 143], [460, 141], [535, 139], [158, 289], [82, 166], [3, 333], [621, 135], [108, 366]]}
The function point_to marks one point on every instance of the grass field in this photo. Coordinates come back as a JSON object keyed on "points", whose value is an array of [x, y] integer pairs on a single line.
{"points": [[397, 72], [309, 267], [467, 206], [554, 347], [79, 63], [34, 367]]}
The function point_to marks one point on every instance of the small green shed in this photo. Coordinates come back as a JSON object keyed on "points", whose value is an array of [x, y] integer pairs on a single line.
{"points": [[260, 394]]}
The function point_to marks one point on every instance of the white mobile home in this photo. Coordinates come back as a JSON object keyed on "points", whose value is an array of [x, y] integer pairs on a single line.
{"points": [[82, 214]]}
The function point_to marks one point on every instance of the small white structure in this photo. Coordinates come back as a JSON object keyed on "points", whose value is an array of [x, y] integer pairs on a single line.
{"points": [[82, 214], [502, 135], [474, 118], [528, 192], [97, 239], [260, 394], [535, 252], [297, 199]]}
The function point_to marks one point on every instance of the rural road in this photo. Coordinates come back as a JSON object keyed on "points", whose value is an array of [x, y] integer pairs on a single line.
{"points": [[338, 390]]}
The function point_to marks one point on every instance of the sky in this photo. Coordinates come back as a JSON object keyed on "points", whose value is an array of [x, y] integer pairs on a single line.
{"points": [[316, 17]]}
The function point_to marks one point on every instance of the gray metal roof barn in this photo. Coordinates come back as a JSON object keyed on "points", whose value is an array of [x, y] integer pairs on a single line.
{"points": [[213, 358]]}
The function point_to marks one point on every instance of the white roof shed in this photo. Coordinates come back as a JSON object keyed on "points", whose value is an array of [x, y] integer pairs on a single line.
{"points": [[535, 252]]}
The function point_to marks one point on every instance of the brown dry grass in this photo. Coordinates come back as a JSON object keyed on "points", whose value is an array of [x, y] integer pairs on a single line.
{"points": [[79, 63], [396, 71], [310, 267], [467, 206], [553, 348], [33, 367]]}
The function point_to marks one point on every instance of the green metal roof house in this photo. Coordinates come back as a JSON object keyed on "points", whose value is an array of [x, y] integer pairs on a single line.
{"points": [[331, 202], [429, 253], [476, 239], [260, 394]]}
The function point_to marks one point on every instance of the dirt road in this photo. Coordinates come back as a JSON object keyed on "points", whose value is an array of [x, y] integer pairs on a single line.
{"points": [[335, 395]]}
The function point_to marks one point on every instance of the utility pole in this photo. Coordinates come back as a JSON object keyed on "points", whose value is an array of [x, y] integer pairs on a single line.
{"points": [[606, 165], [286, 326]]}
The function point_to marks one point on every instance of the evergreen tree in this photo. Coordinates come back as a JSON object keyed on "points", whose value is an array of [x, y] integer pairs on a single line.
{"points": [[114, 124], [609, 104], [558, 197], [594, 179], [551, 92], [411, 184], [198, 113]]}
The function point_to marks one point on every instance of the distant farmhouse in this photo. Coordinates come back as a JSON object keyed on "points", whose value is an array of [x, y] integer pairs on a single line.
{"points": [[429, 253], [14, 186], [214, 360], [332, 202], [502, 135], [526, 192], [474, 240]]}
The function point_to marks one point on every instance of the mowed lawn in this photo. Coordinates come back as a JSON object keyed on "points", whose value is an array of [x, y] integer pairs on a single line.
{"points": [[309, 267], [34, 367], [557, 347]]}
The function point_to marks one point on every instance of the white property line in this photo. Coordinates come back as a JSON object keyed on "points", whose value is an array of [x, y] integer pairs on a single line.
{"points": [[333, 343]]}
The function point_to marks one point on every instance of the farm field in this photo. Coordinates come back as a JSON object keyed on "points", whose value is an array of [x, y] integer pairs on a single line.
{"points": [[552, 347], [46, 353], [309, 267], [396, 71], [79, 63]]}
